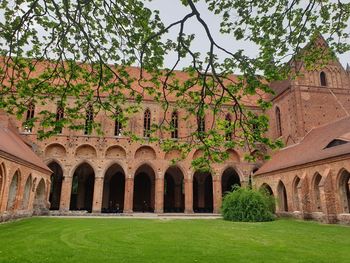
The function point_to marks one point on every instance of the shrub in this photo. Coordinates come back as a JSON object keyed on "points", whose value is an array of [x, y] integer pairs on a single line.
{"points": [[248, 205]]}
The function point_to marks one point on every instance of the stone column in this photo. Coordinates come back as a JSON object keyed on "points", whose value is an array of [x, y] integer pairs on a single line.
{"points": [[98, 191], [66, 193], [128, 196], [217, 195], [189, 196], [159, 195]]}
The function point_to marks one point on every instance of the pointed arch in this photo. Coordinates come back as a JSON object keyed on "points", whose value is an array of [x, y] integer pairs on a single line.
{"points": [[89, 119], [267, 188], [174, 192], [144, 189], [174, 125], [26, 193], [282, 197], [278, 121], [344, 191], [59, 116], [56, 185], [296, 201], [118, 125], [29, 116], [228, 132], [229, 179], [316, 192], [2, 180], [202, 192], [12, 195], [147, 123], [39, 205]]}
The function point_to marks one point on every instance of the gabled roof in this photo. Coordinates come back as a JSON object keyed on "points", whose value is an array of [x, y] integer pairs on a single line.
{"points": [[312, 148], [14, 148]]}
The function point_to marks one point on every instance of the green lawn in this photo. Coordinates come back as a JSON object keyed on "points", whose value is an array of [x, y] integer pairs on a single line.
{"points": [[133, 240]]}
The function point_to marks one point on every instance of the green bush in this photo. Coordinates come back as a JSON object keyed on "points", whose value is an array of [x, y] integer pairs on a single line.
{"points": [[248, 205]]}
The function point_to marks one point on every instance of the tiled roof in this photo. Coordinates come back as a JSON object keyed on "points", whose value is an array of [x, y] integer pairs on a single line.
{"points": [[312, 148]]}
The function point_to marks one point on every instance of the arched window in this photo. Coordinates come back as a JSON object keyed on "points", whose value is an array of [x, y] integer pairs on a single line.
{"points": [[174, 125], [30, 115], [59, 116], [118, 126], [89, 120], [323, 79], [147, 123], [278, 122], [200, 124], [228, 132]]}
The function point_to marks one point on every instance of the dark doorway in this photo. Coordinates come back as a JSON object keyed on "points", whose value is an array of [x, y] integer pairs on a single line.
{"points": [[113, 190], [229, 179], [56, 185], [144, 189], [174, 198], [202, 193], [82, 188]]}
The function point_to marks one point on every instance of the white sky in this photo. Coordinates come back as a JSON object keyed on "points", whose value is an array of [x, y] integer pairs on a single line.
{"points": [[173, 10]]}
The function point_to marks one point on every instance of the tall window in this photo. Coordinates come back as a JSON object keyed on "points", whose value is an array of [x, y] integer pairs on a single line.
{"points": [[323, 79], [59, 116], [278, 122], [174, 125], [200, 125], [89, 120], [118, 126], [228, 132], [30, 115], [147, 123]]}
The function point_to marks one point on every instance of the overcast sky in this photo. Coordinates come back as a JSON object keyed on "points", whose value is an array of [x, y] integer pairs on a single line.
{"points": [[171, 11]]}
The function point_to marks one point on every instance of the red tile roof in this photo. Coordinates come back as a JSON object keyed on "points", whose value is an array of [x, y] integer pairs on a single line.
{"points": [[312, 148]]}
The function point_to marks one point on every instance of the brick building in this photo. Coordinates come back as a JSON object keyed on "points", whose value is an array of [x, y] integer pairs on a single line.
{"points": [[111, 173]]}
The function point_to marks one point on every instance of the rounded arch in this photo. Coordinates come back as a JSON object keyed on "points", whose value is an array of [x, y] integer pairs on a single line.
{"points": [[56, 185], [296, 193], [113, 189], [12, 195], [197, 154], [144, 189], [316, 193], [174, 191], [39, 205], [233, 156], [145, 153], [229, 179], [55, 150], [115, 152], [323, 79], [26, 194], [282, 197], [202, 192], [86, 151], [82, 187], [344, 190], [173, 154]]}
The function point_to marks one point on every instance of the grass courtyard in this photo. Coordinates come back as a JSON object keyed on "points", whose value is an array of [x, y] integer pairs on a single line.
{"points": [[136, 240]]}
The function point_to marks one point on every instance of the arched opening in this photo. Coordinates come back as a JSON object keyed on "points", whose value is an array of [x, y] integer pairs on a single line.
{"points": [[2, 179], [174, 195], [278, 122], [265, 187], [317, 193], [12, 195], [174, 125], [144, 189], [39, 205], [89, 119], [202, 192], [118, 125], [29, 117], [344, 191], [296, 201], [59, 117], [282, 197], [323, 79], [82, 188], [113, 190], [229, 179], [56, 185], [26, 193], [147, 123]]}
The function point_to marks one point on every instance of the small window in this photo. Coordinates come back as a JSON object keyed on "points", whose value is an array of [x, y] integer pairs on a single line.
{"points": [[89, 120], [323, 79], [147, 123], [59, 116], [228, 132], [30, 115], [174, 125], [200, 125], [118, 126], [278, 122]]}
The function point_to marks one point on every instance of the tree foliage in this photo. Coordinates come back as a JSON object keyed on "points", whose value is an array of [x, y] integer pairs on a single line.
{"points": [[78, 53]]}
